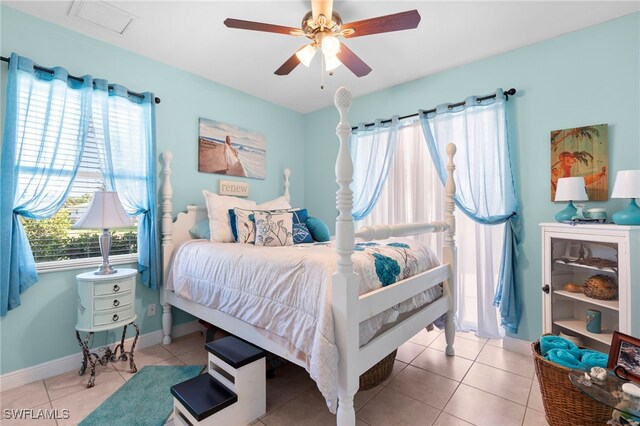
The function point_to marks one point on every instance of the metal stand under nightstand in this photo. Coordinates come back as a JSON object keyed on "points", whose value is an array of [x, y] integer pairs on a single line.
{"points": [[93, 358]]}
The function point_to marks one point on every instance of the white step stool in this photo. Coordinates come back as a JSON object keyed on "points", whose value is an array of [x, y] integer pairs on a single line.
{"points": [[234, 391]]}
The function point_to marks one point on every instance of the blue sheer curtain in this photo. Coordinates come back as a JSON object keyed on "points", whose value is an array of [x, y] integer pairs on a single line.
{"points": [[46, 122], [372, 151], [125, 132], [484, 180]]}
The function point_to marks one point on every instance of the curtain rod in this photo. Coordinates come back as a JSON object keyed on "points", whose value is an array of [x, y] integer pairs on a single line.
{"points": [[79, 79], [507, 93]]}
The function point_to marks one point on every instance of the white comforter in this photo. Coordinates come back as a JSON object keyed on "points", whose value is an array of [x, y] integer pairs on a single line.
{"points": [[286, 291]]}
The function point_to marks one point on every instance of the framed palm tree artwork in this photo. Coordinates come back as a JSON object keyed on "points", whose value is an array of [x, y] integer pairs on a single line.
{"points": [[581, 151]]}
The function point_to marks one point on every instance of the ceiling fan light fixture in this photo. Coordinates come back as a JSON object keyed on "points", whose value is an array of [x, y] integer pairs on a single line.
{"points": [[330, 45], [306, 54], [331, 62]]}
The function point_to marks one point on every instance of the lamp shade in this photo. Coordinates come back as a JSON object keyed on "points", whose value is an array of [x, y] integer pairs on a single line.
{"points": [[104, 212], [306, 54], [627, 184], [571, 189]]}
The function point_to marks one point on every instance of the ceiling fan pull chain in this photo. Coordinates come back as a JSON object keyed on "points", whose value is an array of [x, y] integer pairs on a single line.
{"points": [[321, 72]]}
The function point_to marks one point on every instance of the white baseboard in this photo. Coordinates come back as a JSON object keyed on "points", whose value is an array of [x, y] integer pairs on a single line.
{"points": [[516, 345], [72, 362]]}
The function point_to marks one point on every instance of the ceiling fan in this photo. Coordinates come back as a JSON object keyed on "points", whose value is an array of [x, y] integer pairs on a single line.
{"points": [[322, 25]]}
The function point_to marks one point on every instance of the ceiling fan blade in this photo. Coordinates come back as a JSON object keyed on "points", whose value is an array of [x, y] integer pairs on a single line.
{"points": [[322, 7], [289, 65], [259, 26], [383, 24], [352, 61]]}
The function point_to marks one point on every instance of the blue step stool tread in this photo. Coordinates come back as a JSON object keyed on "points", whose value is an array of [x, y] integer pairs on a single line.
{"points": [[203, 396], [235, 352]]}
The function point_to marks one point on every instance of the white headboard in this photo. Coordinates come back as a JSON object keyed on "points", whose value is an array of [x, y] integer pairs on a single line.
{"points": [[175, 232]]}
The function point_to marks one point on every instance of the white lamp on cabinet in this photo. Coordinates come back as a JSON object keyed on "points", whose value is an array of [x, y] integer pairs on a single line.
{"points": [[570, 189], [627, 185], [104, 212]]}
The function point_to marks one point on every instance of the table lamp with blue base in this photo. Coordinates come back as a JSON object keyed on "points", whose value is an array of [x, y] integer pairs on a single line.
{"points": [[627, 185], [570, 189]]}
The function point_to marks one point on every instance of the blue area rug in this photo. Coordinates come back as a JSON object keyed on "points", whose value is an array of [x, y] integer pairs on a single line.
{"points": [[145, 400]]}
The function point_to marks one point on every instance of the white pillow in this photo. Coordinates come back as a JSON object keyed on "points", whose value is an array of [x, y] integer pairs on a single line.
{"points": [[279, 203], [218, 209], [274, 229]]}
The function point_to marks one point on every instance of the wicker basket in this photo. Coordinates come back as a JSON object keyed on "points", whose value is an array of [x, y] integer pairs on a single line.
{"points": [[378, 373], [564, 404]]}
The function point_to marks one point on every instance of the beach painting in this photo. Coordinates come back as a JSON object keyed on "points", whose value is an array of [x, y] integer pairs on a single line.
{"points": [[581, 151], [230, 150]]}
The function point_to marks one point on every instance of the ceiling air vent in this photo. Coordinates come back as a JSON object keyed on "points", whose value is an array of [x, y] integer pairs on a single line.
{"points": [[102, 14]]}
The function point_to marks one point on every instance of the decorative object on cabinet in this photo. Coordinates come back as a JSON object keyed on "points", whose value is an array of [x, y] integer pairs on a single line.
{"points": [[601, 287], [105, 212], [569, 189], [229, 150], [594, 321], [627, 185], [573, 288], [106, 302], [589, 215], [624, 356], [574, 254], [581, 151]]}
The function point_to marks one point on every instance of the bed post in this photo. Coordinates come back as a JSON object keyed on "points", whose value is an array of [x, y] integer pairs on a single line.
{"points": [[287, 195], [345, 282], [449, 250], [167, 243]]}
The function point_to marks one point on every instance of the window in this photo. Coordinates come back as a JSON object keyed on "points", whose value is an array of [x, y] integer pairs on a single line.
{"points": [[53, 239], [413, 193]]}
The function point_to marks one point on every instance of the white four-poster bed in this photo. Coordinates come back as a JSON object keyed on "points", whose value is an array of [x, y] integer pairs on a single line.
{"points": [[348, 307]]}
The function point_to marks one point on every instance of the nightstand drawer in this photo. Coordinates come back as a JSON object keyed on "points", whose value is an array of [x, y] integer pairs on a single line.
{"points": [[113, 316], [101, 289], [113, 301]]}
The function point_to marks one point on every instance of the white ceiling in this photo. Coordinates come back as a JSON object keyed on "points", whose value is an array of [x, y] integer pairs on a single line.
{"points": [[190, 35]]}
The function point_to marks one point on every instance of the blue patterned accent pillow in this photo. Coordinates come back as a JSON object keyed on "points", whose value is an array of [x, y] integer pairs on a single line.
{"points": [[318, 229], [301, 233]]}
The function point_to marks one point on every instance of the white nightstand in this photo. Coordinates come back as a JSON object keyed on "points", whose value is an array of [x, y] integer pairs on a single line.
{"points": [[106, 302]]}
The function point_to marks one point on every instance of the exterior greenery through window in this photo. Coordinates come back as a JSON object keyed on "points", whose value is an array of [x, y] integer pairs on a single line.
{"points": [[54, 239]]}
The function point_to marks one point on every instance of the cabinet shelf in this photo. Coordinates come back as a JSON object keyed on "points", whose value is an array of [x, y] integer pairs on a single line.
{"points": [[609, 304], [580, 327], [585, 266]]}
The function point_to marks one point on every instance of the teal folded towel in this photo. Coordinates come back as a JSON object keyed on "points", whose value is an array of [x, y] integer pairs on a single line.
{"points": [[556, 342], [564, 358], [592, 359]]}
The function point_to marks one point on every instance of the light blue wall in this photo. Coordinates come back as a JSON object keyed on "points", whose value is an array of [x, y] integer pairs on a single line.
{"points": [[586, 77], [42, 329]]}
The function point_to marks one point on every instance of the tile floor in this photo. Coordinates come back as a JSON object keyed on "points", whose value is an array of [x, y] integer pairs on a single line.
{"points": [[482, 385]]}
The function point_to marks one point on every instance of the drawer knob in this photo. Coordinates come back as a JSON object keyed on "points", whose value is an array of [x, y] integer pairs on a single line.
{"points": [[116, 288], [116, 302], [115, 317]]}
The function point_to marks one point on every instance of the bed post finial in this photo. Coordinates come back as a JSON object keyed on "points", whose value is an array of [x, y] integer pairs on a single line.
{"points": [[287, 174], [167, 243], [449, 250], [345, 287]]}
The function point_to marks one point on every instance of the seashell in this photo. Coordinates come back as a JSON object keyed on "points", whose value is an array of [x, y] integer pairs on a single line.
{"points": [[573, 288], [598, 373], [601, 287]]}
